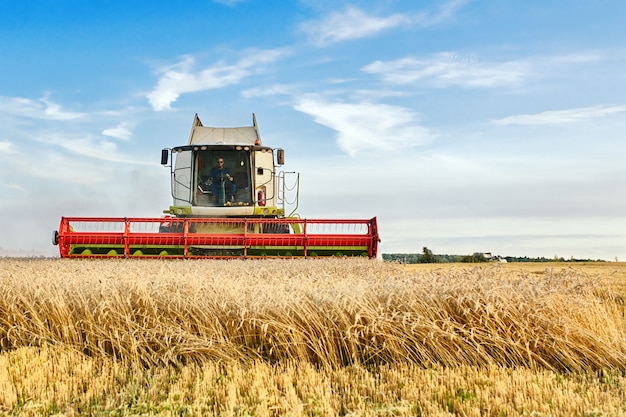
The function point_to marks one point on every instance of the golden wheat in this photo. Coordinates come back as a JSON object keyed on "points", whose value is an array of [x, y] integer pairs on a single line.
{"points": [[55, 381], [308, 337], [327, 312]]}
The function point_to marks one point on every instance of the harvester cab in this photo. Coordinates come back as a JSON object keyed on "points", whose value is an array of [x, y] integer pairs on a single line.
{"points": [[229, 201], [227, 172]]}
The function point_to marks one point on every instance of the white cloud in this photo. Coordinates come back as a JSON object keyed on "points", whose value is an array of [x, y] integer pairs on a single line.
{"points": [[16, 187], [365, 126], [449, 69], [354, 23], [560, 116], [120, 131], [446, 11], [53, 111], [67, 169], [273, 90], [7, 147], [84, 145], [42, 108], [88, 145], [229, 3], [179, 78]]}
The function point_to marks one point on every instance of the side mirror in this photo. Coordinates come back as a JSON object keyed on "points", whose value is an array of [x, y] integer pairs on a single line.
{"points": [[165, 155], [280, 156]]}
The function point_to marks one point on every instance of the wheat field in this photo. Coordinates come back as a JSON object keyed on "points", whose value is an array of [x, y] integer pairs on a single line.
{"points": [[310, 337]]}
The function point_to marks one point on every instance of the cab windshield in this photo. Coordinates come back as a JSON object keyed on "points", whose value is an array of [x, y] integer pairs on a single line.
{"points": [[222, 178]]}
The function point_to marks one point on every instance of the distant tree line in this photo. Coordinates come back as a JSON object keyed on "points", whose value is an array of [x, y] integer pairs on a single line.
{"points": [[427, 257], [542, 259]]}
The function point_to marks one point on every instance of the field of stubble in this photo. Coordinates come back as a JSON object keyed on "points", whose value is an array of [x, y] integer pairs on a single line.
{"points": [[311, 337]]}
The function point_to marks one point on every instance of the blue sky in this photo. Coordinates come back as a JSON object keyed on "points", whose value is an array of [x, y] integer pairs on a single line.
{"points": [[464, 126]]}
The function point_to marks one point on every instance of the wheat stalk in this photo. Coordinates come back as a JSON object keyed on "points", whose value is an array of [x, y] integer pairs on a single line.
{"points": [[327, 312]]}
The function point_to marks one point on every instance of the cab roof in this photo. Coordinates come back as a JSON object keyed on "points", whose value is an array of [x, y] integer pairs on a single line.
{"points": [[204, 135]]}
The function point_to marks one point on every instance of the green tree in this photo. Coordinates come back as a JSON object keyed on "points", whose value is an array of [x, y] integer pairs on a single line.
{"points": [[475, 257], [427, 256]]}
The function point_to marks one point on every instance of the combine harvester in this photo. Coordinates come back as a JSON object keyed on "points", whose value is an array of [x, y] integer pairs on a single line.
{"points": [[235, 212]]}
